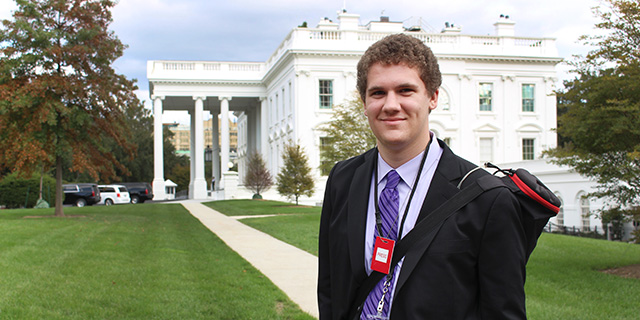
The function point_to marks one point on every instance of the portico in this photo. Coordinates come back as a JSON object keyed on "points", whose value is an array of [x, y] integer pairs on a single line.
{"points": [[196, 96]]}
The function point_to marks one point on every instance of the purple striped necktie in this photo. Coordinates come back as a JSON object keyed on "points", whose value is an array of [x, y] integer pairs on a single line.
{"points": [[389, 203]]}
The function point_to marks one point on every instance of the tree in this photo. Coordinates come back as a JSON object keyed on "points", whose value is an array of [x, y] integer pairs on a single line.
{"points": [[139, 123], [295, 180], [620, 43], [59, 94], [258, 177], [346, 135], [599, 112]]}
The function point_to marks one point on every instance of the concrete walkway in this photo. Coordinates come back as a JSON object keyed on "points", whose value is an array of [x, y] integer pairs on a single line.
{"points": [[293, 270]]}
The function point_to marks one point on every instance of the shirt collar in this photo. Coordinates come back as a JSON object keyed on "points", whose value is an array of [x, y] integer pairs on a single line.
{"points": [[409, 169]]}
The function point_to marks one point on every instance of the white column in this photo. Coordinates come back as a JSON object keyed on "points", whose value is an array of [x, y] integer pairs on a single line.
{"points": [[224, 135], [216, 151], [192, 151], [200, 183], [158, 159], [264, 131]]}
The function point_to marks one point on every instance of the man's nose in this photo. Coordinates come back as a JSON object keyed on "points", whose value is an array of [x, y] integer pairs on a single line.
{"points": [[391, 103]]}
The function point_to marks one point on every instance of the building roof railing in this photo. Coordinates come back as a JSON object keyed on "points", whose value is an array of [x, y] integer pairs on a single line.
{"points": [[353, 42]]}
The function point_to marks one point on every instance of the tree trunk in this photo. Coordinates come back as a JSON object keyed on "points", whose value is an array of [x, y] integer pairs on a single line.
{"points": [[41, 178], [59, 193]]}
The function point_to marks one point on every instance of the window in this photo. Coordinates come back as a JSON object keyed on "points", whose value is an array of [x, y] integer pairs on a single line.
{"points": [[486, 150], [485, 92], [443, 100], [528, 101], [585, 213], [560, 215], [326, 94], [528, 152]]}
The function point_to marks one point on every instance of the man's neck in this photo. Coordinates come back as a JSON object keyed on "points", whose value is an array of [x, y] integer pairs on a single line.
{"points": [[397, 157]]}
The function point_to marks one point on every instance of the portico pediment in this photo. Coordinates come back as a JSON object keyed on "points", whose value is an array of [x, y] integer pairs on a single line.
{"points": [[487, 128]]}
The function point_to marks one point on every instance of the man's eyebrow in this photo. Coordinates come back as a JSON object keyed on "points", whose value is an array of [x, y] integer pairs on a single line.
{"points": [[374, 88], [402, 85], [407, 85]]}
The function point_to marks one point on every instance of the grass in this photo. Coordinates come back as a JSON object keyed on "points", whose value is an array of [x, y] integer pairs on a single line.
{"points": [[563, 275], [298, 230], [564, 279], [158, 262], [131, 261], [258, 207], [296, 225]]}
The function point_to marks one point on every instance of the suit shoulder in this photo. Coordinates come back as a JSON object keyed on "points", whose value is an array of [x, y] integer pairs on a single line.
{"points": [[351, 164]]}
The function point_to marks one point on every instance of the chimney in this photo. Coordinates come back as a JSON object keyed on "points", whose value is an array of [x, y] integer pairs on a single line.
{"points": [[505, 27], [348, 21]]}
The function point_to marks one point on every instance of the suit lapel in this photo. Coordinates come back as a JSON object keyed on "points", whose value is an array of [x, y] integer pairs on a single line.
{"points": [[357, 213], [440, 190]]}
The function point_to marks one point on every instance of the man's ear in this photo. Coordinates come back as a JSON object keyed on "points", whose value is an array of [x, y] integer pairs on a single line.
{"points": [[433, 100], [364, 106]]}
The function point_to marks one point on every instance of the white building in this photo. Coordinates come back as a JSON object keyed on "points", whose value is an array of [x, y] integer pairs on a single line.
{"points": [[497, 100]]}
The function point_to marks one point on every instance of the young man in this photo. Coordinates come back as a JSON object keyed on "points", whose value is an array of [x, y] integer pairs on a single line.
{"points": [[472, 267]]}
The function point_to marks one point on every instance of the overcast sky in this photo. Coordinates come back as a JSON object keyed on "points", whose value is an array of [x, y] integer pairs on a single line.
{"points": [[228, 30]]}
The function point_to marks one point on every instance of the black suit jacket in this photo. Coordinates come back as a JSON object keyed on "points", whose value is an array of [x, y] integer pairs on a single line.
{"points": [[473, 267]]}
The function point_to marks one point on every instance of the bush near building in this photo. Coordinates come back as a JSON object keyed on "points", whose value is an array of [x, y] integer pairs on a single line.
{"points": [[19, 192]]}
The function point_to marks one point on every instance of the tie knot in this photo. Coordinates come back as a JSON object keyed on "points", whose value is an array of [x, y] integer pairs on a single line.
{"points": [[393, 178]]}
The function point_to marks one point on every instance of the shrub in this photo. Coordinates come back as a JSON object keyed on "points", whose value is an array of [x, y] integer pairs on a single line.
{"points": [[20, 192]]}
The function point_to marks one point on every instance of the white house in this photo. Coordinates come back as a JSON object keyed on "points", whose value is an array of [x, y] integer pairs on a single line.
{"points": [[497, 100]]}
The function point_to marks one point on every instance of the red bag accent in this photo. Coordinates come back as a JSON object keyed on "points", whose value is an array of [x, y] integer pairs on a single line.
{"points": [[529, 192]]}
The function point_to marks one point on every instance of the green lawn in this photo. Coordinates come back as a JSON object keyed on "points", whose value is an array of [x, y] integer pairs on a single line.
{"points": [[258, 207], [133, 261], [563, 275], [158, 262]]}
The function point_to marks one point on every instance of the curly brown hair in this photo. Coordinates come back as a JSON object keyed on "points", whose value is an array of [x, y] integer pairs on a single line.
{"points": [[401, 49]]}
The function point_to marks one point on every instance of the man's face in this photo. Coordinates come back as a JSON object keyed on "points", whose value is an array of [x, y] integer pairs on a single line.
{"points": [[397, 105]]}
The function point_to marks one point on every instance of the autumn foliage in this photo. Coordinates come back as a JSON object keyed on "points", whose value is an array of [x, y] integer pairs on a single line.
{"points": [[59, 96]]}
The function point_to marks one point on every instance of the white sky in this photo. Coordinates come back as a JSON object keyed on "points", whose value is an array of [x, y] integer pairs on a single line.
{"points": [[250, 30]]}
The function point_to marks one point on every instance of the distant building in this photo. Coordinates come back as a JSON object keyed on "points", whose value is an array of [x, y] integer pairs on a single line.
{"points": [[181, 139]]}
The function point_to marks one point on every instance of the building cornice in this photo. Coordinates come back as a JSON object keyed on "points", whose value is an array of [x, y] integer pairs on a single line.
{"points": [[495, 58], [209, 82]]}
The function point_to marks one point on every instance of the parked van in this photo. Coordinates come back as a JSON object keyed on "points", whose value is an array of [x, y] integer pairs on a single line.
{"points": [[81, 194], [113, 194], [139, 191]]}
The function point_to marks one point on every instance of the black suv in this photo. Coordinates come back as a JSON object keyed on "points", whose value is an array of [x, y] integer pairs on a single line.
{"points": [[81, 194], [139, 191]]}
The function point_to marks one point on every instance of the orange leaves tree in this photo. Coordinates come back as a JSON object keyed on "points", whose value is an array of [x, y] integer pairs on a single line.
{"points": [[59, 96]]}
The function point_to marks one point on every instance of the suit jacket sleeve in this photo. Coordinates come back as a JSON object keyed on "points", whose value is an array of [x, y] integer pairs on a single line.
{"points": [[324, 277], [501, 261]]}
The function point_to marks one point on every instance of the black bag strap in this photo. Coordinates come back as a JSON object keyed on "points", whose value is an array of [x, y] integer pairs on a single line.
{"points": [[424, 228]]}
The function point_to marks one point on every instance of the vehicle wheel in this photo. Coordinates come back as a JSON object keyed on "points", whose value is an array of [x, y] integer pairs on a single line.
{"points": [[81, 203], [108, 202], [135, 199]]}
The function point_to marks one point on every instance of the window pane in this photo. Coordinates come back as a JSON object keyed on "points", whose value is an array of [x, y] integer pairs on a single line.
{"points": [[528, 152], [486, 150], [326, 94], [485, 94], [586, 214], [528, 100]]}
